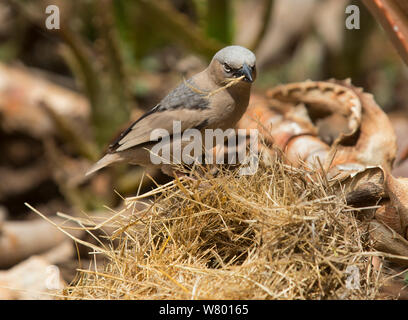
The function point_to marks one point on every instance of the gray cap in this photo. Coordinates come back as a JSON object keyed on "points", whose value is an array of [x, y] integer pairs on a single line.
{"points": [[235, 56]]}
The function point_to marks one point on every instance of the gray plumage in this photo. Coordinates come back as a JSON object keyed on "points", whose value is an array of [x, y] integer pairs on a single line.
{"points": [[235, 56], [184, 97], [191, 104]]}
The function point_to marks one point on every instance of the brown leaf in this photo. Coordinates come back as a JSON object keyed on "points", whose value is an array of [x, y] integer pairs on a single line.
{"points": [[389, 215], [367, 146], [365, 188], [341, 115], [285, 126], [397, 190], [387, 240], [399, 122]]}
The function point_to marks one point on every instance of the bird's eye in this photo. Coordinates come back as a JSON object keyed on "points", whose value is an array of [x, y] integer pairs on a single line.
{"points": [[227, 68]]}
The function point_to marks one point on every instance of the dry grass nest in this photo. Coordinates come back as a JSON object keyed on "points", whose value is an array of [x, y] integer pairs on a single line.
{"points": [[283, 233]]}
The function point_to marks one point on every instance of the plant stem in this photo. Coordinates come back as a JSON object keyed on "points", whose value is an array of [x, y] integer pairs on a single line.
{"points": [[177, 26]]}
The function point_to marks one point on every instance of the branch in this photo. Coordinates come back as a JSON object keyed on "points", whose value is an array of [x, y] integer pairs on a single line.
{"points": [[393, 16]]}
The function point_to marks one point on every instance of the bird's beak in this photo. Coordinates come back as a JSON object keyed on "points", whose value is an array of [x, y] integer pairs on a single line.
{"points": [[247, 72]]}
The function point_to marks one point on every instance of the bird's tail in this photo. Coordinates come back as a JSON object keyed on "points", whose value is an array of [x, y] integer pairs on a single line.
{"points": [[103, 162]]}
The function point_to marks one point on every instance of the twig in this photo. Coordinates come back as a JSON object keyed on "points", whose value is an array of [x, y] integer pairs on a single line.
{"points": [[393, 16]]}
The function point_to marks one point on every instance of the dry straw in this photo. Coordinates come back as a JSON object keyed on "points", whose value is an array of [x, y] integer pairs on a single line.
{"points": [[282, 233], [229, 83]]}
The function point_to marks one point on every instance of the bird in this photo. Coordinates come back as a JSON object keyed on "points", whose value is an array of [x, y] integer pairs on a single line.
{"points": [[204, 101]]}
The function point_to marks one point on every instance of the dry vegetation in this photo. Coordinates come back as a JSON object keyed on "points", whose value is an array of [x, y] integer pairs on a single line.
{"points": [[282, 233]]}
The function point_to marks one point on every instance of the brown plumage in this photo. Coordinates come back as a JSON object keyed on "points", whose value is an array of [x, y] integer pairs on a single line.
{"points": [[204, 101]]}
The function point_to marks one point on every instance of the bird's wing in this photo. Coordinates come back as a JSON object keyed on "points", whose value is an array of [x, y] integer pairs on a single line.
{"points": [[182, 104]]}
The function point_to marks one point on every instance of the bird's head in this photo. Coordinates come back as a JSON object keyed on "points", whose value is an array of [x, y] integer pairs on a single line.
{"points": [[233, 62]]}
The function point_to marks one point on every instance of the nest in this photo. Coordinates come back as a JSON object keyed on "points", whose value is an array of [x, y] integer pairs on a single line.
{"points": [[283, 233]]}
